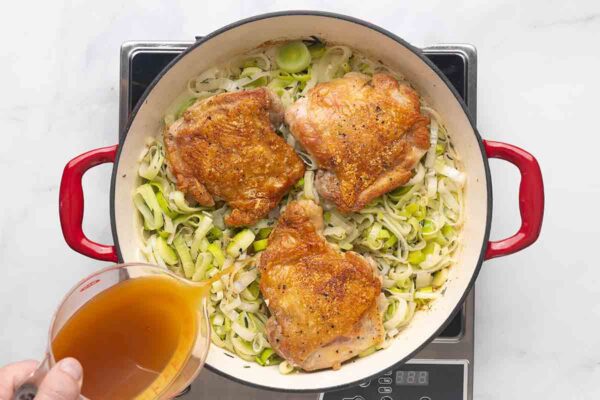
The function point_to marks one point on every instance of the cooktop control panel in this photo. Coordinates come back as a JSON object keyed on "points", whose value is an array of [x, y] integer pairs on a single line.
{"points": [[422, 380]]}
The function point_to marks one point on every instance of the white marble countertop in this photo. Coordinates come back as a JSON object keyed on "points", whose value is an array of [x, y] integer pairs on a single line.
{"points": [[537, 314]]}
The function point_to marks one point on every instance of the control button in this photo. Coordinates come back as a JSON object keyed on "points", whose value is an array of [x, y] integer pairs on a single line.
{"points": [[425, 398], [365, 384], [386, 398], [385, 389], [354, 398], [384, 380]]}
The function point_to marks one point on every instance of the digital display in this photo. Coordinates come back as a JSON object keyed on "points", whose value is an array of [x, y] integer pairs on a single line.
{"points": [[412, 378]]}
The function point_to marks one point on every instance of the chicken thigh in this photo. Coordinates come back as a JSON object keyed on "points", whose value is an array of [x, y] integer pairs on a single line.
{"points": [[366, 135], [226, 147], [323, 303]]}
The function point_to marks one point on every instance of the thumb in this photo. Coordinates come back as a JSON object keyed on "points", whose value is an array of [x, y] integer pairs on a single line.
{"points": [[63, 382]]}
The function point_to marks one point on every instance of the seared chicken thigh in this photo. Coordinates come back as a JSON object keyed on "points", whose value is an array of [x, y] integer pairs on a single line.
{"points": [[226, 147], [323, 302], [366, 135]]}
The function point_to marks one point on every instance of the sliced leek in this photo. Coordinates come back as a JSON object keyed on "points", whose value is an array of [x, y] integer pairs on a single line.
{"points": [[240, 243], [440, 278], [166, 252], [201, 266], [260, 245], [293, 57], [217, 253], [183, 252], [147, 204], [410, 234], [286, 368]]}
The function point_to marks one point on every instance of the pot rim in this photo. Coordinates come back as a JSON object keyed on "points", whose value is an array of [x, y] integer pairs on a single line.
{"points": [[424, 59]]}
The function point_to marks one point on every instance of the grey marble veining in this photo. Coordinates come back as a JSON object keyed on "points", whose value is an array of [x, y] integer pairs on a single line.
{"points": [[537, 315]]}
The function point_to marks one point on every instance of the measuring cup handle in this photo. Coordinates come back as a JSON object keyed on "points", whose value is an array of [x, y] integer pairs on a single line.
{"points": [[27, 389]]}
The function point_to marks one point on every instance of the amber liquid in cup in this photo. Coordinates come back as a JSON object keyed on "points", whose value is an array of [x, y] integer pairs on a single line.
{"points": [[139, 331], [132, 338]]}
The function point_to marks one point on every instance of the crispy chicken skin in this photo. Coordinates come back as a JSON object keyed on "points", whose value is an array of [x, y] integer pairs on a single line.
{"points": [[366, 135], [323, 302], [226, 147]]}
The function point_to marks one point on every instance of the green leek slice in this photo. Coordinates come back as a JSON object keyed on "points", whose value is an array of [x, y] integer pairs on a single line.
{"points": [[293, 57], [165, 251], [217, 253], [240, 243], [260, 245], [316, 50]]}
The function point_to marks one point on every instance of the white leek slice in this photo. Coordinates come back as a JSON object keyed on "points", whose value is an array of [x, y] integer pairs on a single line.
{"points": [[178, 198], [286, 368], [242, 347], [243, 332], [440, 278], [218, 319], [184, 255], [147, 204], [244, 280], [152, 163], [203, 227], [201, 266], [423, 279], [398, 315]]}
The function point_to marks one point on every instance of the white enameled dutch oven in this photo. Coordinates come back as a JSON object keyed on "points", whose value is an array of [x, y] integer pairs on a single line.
{"points": [[246, 35]]}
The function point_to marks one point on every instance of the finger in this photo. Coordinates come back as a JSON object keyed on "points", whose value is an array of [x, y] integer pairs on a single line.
{"points": [[13, 374], [63, 382]]}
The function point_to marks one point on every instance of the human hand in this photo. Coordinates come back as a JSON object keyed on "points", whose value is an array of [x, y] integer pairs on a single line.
{"points": [[63, 381]]}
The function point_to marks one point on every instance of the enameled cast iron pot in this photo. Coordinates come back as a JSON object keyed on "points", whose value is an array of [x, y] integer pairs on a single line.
{"points": [[243, 36]]}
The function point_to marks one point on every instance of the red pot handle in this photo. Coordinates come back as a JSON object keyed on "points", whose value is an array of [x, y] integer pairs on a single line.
{"points": [[531, 199], [70, 206]]}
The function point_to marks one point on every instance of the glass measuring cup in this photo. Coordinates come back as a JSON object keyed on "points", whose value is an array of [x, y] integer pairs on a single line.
{"points": [[169, 382]]}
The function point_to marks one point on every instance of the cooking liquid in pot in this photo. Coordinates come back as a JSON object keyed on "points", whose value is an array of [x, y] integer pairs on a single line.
{"points": [[133, 338]]}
